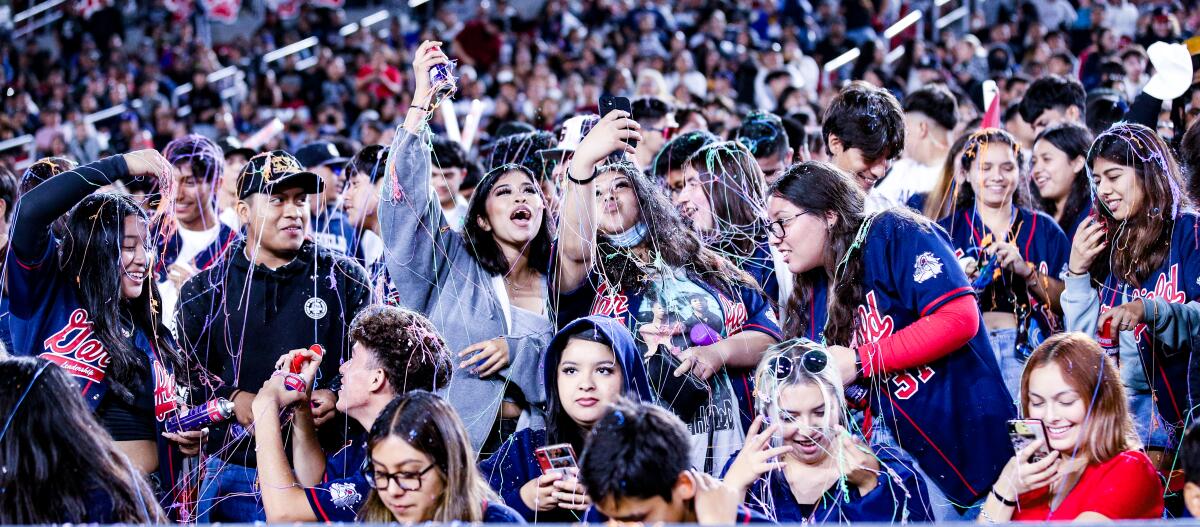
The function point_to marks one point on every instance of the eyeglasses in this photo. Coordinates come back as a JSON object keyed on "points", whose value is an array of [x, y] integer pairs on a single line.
{"points": [[779, 227], [813, 361], [407, 481]]}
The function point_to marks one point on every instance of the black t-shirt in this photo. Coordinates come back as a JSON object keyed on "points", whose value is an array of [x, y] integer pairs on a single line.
{"points": [[131, 420]]}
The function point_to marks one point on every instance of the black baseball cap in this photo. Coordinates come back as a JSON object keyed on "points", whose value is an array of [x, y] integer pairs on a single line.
{"points": [[320, 153], [270, 170]]}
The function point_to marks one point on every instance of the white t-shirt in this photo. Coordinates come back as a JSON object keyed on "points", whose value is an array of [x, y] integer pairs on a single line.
{"points": [[905, 179], [193, 243]]}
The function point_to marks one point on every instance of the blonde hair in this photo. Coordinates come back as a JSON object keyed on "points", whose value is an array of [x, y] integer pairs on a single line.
{"points": [[1108, 427], [770, 379]]}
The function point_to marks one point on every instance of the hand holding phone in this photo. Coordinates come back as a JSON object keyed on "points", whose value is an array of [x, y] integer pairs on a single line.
{"points": [[614, 132], [1025, 432], [608, 103], [556, 458]]}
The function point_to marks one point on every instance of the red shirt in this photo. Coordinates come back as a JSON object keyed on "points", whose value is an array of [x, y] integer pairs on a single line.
{"points": [[1125, 487]]}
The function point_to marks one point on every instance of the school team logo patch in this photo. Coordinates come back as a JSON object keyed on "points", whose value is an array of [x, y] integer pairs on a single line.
{"points": [[344, 495], [315, 308], [926, 267]]}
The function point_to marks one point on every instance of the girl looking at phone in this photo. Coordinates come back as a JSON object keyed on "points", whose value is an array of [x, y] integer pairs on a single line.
{"points": [[1095, 470], [589, 364], [805, 466], [1140, 243]]}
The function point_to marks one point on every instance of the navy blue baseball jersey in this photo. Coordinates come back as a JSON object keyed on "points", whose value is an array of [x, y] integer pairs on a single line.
{"points": [[1170, 371], [1036, 236], [47, 320], [950, 414]]}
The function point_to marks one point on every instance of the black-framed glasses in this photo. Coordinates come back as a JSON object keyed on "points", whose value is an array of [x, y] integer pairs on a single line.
{"points": [[779, 227], [408, 481], [813, 361]]}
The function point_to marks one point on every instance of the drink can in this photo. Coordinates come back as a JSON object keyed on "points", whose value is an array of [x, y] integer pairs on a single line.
{"points": [[215, 411]]}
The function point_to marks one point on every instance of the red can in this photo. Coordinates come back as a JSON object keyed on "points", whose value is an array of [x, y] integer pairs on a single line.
{"points": [[1110, 341]]}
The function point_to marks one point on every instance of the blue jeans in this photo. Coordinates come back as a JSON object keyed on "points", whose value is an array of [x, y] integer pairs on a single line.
{"points": [[229, 494], [1154, 432], [1004, 345], [943, 509]]}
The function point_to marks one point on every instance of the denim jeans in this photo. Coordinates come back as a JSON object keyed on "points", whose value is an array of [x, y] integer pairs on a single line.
{"points": [[1004, 345], [229, 493], [1154, 432]]}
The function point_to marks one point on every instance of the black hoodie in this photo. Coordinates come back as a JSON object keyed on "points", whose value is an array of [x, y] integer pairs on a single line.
{"points": [[236, 320]]}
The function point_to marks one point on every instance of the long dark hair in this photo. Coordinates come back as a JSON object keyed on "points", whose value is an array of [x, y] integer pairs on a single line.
{"points": [[1143, 241], [668, 237], [974, 148], [429, 424], [820, 188], [91, 253], [56, 456], [1074, 141], [482, 243], [736, 191], [560, 428]]}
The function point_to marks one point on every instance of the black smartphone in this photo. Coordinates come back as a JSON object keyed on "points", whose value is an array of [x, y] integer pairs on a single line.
{"points": [[609, 103]]}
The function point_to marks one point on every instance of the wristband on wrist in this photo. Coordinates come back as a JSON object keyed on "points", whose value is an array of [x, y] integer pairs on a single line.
{"points": [[581, 181], [422, 108], [1005, 501]]}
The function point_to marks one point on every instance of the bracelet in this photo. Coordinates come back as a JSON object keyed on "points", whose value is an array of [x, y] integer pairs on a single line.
{"points": [[581, 181], [422, 108], [1006, 502]]}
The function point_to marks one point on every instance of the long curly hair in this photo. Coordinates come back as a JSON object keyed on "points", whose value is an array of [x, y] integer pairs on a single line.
{"points": [[56, 456], [1141, 243], [91, 253], [821, 188], [670, 240]]}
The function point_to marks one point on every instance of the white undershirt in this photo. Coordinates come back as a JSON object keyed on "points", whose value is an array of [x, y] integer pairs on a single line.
{"points": [[193, 243]]}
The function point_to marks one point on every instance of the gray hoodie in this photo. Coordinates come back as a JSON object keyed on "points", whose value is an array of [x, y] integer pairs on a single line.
{"points": [[435, 274]]}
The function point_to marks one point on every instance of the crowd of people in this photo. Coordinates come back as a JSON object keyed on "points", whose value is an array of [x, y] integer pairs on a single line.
{"points": [[633, 261]]}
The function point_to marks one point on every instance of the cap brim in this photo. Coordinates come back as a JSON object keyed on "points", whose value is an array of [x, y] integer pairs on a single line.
{"points": [[309, 182], [336, 161]]}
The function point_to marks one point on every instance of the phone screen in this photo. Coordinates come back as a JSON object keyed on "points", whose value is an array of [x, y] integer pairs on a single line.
{"points": [[556, 457], [1023, 432]]}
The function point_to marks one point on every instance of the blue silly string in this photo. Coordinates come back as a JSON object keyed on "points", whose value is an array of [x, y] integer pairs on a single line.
{"points": [[8, 422]]}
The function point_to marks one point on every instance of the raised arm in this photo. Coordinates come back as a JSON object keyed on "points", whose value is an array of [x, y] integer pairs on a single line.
{"points": [[41, 206], [577, 222], [414, 230]]}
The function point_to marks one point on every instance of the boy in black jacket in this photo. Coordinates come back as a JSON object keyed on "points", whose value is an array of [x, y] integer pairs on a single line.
{"points": [[274, 292]]}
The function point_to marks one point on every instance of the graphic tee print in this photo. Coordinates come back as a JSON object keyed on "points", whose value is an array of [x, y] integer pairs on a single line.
{"points": [[676, 314]]}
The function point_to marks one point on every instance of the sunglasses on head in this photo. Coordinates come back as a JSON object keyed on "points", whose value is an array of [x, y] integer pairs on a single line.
{"points": [[813, 361]]}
